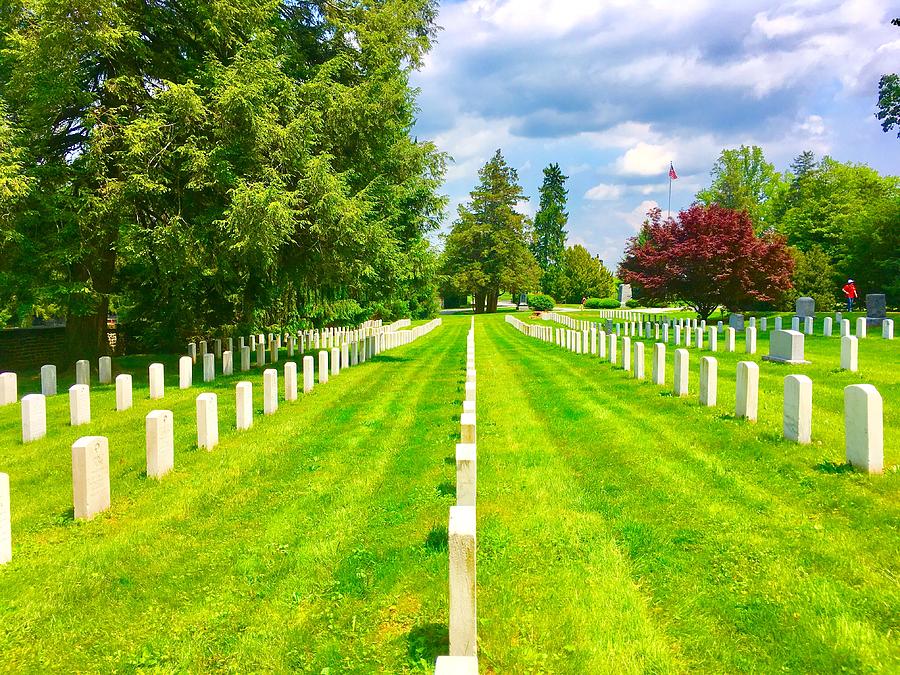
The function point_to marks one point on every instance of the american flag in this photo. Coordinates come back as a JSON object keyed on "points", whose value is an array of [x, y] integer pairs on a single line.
{"points": [[672, 174]]}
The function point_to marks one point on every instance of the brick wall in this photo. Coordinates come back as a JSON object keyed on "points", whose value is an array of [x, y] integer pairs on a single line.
{"points": [[26, 348]]}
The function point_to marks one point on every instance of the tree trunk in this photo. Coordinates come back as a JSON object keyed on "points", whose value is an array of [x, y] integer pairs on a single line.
{"points": [[86, 334], [492, 298], [479, 302]]}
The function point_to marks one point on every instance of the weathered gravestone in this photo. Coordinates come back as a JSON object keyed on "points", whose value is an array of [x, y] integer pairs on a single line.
{"points": [[736, 321], [876, 309], [624, 294], [786, 346], [805, 307]]}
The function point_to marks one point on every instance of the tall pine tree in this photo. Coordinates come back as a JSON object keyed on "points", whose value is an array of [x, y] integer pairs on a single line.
{"points": [[549, 245]]}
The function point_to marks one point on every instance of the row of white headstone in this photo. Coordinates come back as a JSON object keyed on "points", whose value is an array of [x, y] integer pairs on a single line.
{"points": [[463, 658], [863, 407], [90, 454]]}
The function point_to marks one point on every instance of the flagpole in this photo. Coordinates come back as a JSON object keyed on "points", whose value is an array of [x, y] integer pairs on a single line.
{"points": [[669, 210]]}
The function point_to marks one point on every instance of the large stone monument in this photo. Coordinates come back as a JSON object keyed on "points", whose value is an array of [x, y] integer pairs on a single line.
{"points": [[736, 321], [806, 307], [876, 309], [786, 346], [624, 294]]}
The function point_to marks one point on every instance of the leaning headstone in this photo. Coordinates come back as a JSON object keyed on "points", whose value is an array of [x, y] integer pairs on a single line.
{"points": [[466, 474], [680, 375], [79, 405], [798, 408], [207, 421], [270, 391], [160, 430], [709, 369], [90, 475], [105, 370], [864, 427], [308, 373], [227, 363], [157, 381], [5, 521], [243, 394], [48, 380], [463, 604], [209, 367], [747, 390], [887, 329], [850, 353], [736, 321], [323, 367], [9, 388], [185, 372], [82, 372], [34, 417], [806, 307], [786, 346], [123, 392]]}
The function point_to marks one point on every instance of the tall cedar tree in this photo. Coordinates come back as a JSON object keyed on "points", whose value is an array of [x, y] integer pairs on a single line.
{"points": [[205, 165], [486, 251], [550, 221], [708, 257], [889, 99]]}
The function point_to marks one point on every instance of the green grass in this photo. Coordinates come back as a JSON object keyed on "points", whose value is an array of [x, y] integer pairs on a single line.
{"points": [[620, 530]]}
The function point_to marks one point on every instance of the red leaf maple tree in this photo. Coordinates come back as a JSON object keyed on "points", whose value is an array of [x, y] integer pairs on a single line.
{"points": [[708, 257]]}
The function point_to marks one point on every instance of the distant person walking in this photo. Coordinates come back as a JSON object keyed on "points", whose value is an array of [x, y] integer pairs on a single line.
{"points": [[850, 291], [583, 300]]}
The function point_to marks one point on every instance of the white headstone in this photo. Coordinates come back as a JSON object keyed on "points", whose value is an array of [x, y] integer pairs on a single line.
{"points": [[747, 395], [467, 426], [680, 375], [335, 361], [639, 360], [245, 358], [864, 427], [798, 408], [850, 353], [308, 373], [79, 405], [778, 321], [243, 394], [713, 333], [795, 323], [90, 475], [612, 348], [192, 351], [729, 339], [466, 474], [9, 388], [323, 367], [48, 380], [808, 325], [34, 417], [290, 381], [861, 327], [203, 348], [659, 363], [764, 324], [709, 374], [270, 391], [827, 326], [5, 521], [157, 381], [456, 665], [227, 363], [260, 354], [82, 372], [207, 421], [786, 346], [887, 329], [185, 372], [626, 353], [160, 430], [123, 392], [750, 340], [209, 367], [845, 327], [698, 335], [105, 370], [463, 605]]}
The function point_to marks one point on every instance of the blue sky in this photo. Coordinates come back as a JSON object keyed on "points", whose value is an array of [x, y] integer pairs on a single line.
{"points": [[614, 90]]}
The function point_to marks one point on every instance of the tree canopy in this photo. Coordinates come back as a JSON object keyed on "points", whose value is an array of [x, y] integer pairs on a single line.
{"points": [[200, 165], [549, 242], [708, 257], [487, 250], [889, 99]]}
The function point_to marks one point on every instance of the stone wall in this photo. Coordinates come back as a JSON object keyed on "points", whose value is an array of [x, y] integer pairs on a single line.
{"points": [[26, 348]]}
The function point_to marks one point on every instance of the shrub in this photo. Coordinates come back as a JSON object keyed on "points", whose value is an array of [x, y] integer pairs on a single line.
{"points": [[541, 303], [633, 303], [603, 303], [592, 303]]}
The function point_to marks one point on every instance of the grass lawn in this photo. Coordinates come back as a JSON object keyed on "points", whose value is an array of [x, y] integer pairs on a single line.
{"points": [[620, 530]]}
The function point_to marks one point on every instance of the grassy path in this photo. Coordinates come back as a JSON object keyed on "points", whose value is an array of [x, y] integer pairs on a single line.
{"points": [[314, 540], [622, 530]]}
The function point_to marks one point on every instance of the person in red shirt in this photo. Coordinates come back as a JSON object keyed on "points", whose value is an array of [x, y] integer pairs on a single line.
{"points": [[850, 291]]}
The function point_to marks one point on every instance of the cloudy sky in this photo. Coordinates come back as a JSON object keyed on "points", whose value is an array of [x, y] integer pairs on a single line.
{"points": [[615, 89]]}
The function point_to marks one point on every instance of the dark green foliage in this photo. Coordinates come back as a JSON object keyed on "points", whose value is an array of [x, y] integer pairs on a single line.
{"points": [[581, 276], [549, 241], [540, 302], [602, 303], [814, 277], [889, 99]]}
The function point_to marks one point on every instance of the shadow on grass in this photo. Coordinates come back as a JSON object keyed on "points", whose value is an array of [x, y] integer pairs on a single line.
{"points": [[436, 541], [427, 642], [66, 516], [450, 460], [828, 466], [446, 488], [392, 359]]}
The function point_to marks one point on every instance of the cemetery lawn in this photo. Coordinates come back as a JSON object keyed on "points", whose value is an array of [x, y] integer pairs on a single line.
{"points": [[620, 530]]}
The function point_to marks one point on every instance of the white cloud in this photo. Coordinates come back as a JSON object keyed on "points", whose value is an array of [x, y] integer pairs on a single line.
{"points": [[603, 192]]}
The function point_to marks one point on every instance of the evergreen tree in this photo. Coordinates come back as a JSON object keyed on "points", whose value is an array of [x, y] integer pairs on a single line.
{"points": [[486, 251], [549, 243]]}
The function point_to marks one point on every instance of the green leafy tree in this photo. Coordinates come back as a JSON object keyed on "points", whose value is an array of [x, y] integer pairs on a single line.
{"points": [[487, 251], [814, 277], [208, 164], [550, 221], [889, 99], [583, 276], [743, 180]]}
